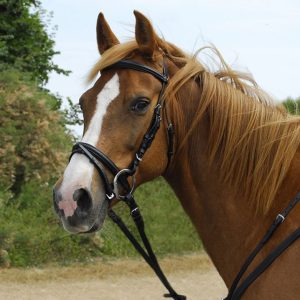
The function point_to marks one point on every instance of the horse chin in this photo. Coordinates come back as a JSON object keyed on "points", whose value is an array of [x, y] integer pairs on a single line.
{"points": [[100, 213], [98, 224], [95, 228]]}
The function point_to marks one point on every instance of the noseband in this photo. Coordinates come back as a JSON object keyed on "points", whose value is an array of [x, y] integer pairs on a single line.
{"points": [[99, 159]]}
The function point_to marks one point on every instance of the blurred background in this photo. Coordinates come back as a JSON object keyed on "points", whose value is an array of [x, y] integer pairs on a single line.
{"points": [[46, 50]]}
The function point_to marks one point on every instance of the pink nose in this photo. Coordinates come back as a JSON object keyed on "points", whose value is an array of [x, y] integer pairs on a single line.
{"points": [[68, 207], [75, 209]]}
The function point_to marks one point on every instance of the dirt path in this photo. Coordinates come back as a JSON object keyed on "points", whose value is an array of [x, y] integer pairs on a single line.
{"points": [[130, 279]]}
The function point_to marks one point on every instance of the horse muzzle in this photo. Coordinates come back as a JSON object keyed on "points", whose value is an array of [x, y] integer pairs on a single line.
{"points": [[78, 212]]}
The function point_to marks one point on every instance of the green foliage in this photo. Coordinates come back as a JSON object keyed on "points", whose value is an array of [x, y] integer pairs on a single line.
{"points": [[32, 235], [34, 143], [73, 113], [34, 148], [34, 139], [24, 41], [292, 105]]}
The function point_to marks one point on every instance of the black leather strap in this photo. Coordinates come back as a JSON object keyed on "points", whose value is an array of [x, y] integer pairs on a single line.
{"points": [[170, 136], [265, 264], [147, 252], [278, 220], [148, 137], [95, 156], [129, 64], [156, 119], [82, 149]]}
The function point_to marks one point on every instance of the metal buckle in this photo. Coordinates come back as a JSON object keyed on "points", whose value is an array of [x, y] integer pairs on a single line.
{"points": [[110, 197], [157, 108], [134, 210], [281, 217], [138, 158], [116, 191]]}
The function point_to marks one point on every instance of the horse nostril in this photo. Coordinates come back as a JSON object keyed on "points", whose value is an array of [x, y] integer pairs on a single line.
{"points": [[83, 199]]}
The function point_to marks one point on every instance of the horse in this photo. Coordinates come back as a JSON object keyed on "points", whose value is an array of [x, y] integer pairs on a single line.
{"points": [[234, 162]]}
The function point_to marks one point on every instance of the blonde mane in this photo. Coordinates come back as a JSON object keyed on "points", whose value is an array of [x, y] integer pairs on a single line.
{"points": [[252, 139]]}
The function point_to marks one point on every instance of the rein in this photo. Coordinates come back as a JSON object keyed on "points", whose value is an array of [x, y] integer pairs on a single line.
{"points": [[235, 292], [98, 159]]}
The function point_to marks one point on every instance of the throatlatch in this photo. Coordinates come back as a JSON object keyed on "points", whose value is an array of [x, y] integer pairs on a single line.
{"points": [[98, 159]]}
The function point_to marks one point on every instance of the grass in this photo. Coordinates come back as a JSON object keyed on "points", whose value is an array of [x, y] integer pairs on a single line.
{"points": [[33, 236]]}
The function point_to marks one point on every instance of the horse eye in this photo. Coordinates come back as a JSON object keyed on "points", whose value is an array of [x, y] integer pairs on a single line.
{"points": [[140, 105]]}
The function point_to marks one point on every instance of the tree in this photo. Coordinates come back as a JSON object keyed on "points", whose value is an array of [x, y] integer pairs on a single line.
{"points": [[34, 140], [292, 105], [24, 41]]}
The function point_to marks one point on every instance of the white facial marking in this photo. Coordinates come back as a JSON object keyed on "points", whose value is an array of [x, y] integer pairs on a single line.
{"points": [[79, 171], [109, 92]]}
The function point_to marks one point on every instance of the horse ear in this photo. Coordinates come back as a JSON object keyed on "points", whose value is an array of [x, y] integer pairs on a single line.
{"points": [[145, 35], [105, 37]]}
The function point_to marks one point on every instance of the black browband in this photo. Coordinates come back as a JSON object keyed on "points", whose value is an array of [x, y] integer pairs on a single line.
{"points": [[129, 64], [99, 159]]}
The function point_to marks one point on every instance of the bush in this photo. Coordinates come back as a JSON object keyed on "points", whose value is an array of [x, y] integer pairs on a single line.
{"points": [[34, 141], [34, 148]]}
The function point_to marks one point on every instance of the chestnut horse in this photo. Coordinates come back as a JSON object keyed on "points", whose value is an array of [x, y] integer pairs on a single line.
{"points": [[236, 161]]}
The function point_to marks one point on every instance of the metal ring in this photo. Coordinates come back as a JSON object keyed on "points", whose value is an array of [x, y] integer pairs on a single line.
{"points": [[116, 191]]}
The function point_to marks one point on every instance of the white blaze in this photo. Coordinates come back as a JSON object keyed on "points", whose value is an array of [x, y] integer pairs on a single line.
{"points": [[109, 92], [79, 171]]}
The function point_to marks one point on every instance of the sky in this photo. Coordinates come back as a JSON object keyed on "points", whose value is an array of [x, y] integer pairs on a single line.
{"points": [[258, 36]]}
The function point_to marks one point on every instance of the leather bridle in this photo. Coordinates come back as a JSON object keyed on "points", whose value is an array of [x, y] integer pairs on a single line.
{"points": [[99, 159]]}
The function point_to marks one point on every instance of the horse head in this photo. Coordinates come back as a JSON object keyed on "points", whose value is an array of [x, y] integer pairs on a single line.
{"points": [[117, 111]]}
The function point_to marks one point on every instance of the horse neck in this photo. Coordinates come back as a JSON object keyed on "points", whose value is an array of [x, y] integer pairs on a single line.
{"points": [[224, 219]]}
